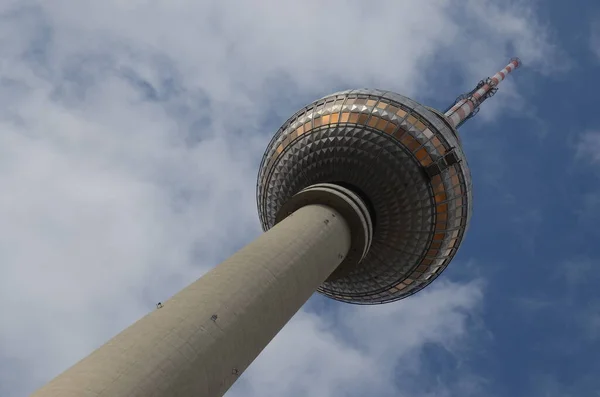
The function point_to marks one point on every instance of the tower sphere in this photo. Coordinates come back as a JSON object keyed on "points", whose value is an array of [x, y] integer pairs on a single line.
{"points": [[406, 163]]}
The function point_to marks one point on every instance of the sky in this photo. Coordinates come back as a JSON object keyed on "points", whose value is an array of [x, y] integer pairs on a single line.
{"points": [[130, 138]]}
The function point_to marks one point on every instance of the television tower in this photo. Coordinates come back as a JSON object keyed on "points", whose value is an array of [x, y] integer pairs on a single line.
{"points": [[364, 196]]}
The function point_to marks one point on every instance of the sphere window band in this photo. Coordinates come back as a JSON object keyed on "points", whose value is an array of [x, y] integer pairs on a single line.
{"points": [[306, 150]]}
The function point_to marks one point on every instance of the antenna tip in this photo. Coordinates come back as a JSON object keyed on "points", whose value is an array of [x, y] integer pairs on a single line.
{"points": [[517, 61]]}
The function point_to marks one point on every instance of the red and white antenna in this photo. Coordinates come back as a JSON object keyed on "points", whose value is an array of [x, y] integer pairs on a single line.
{"points": [[467, 105]]}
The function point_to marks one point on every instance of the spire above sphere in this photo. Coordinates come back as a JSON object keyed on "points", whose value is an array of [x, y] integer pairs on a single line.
{"points": [[467, 105]]}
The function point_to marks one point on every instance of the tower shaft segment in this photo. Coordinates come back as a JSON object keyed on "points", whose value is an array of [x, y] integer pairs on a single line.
{"points": [[467, 105], [202, 339]]}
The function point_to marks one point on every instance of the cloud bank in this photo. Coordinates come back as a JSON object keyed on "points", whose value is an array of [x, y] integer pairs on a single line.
{"points": [[131, 132]]}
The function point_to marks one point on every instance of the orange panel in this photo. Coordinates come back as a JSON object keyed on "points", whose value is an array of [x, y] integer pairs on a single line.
{"points": [[442, 217], [317, 122], [362, 119], [427, 261], [421, 154], [400, 113], [335, 118], [279, 149], [426, 161], [390, 128], [373, 121], [436, 180], [300, 130], [455, 180], [345, 117], [458, 201], [439, 236], [420, 126], [381, 124], [411, 119], [399, 133], [442, 208], [371, 102], [432, 253], [414, 146], [440, 197], [393, 109], [410, 142], [438, 145], [440, 226], [326, 119], [307, 126]]}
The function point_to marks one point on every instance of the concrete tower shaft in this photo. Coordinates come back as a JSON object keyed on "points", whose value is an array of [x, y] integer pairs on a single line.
{"points": [[202, 339]]}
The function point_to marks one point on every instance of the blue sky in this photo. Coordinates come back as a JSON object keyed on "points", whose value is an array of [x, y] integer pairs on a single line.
{"points": [[131, 133]]}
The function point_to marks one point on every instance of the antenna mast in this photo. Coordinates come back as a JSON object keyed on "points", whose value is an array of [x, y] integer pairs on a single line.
{"points": [[467, 105]]}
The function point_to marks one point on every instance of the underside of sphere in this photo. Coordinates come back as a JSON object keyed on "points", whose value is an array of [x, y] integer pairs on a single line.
{"points": [[403, 160]]}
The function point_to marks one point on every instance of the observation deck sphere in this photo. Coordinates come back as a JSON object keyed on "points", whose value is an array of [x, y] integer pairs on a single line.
{"points": [[403, 159]]}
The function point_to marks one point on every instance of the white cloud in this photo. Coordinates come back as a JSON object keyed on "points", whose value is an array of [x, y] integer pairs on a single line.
{"points": [[131, 136], [588, 147], [360, 351]]}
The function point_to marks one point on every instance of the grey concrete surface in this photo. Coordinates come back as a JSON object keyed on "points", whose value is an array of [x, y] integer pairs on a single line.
{"points": [[205, 336]]}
